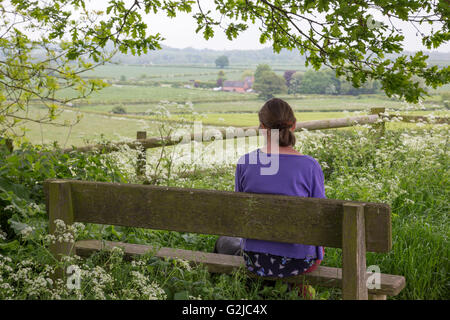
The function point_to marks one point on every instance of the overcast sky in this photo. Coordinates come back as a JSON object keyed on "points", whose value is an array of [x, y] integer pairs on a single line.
{"points": [[180, 33]]}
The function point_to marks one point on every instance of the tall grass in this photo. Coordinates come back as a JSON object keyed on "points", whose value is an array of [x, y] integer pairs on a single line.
{"points": [[408, 169]]}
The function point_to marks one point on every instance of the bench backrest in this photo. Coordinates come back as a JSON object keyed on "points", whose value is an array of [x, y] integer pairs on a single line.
{"points": [[257, 216]]}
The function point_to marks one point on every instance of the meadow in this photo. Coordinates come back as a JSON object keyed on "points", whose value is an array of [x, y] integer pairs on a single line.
{"points": [[408, 169], [177, 72], [97, 126], [143, 99]]}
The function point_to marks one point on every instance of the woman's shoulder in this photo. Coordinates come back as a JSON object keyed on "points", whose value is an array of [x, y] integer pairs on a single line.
{"points": [[303, 161], [253, 157], [309, 159], [248, 158]]}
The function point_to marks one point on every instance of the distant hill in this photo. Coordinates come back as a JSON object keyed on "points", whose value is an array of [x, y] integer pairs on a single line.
{"points": [[170, 55], [191, 56]]}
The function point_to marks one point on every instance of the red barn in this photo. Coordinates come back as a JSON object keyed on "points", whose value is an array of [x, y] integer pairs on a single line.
{"points": [[238, 86]]}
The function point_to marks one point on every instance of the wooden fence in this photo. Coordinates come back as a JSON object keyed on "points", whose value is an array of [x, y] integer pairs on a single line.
{"points": [[142, 143]]}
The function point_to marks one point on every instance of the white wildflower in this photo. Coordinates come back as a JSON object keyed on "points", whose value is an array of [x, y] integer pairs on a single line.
{"points": [[27, 231]]}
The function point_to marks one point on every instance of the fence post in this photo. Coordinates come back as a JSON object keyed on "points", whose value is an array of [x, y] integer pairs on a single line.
{"points": [[60, 207], [380, 127], [142, 154], [353, 253]]}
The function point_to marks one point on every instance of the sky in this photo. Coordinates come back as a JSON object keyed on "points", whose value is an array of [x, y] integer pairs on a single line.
{"points": [[179, 32]]}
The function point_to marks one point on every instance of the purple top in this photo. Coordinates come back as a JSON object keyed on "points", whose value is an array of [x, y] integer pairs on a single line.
{"points": [[297, 175]]}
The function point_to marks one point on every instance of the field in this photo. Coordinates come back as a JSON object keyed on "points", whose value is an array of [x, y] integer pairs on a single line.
{"points": [[91, 127], [176, 72], [115, 127], [407, 169], [140, 99], [143, 103]]}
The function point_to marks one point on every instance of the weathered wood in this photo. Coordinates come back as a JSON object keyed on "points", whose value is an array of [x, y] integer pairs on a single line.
{"points": [[336, 123], [142, 155], [153, 142], [219, 263], [257, 216], [353, 253], [60, 207], [216, 263], [377, 296]]}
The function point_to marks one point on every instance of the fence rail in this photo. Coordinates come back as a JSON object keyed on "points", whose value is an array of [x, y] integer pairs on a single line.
{"points": [[154, 142], [142, 142]]}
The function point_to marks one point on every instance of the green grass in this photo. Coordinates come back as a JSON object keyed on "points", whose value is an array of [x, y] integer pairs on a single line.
{"points": [[119, 94], [162, 72], [142, 99], [407, 170], [91, 127], [251, 119]]}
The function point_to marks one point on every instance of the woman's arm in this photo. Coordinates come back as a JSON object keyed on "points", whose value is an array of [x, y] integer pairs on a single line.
{"points": [[318, 182], [237, 179]]}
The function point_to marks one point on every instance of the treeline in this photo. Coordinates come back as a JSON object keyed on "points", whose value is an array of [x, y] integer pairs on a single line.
{"points": [[268, 83], [170, 55], [325, 82]]}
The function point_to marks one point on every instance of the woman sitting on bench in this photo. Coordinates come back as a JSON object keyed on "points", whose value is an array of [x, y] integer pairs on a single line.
{"points": [[296, 175]]}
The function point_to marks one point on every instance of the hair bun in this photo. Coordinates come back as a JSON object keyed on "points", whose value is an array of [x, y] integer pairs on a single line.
{"points": [[283, 125]]}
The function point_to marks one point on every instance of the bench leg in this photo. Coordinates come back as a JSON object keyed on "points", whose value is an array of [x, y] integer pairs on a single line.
{"points": [[377, 296], [60, 207], [353, 253]]}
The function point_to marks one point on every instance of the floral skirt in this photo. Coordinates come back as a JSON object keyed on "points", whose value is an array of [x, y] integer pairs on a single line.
{"points": [[269, 265]]}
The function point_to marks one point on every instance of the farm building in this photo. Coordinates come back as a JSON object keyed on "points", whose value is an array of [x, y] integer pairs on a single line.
{"points": [[238, 86]]}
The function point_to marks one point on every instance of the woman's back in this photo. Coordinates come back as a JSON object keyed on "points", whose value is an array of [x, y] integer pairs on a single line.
{"points": [[296, 175]]}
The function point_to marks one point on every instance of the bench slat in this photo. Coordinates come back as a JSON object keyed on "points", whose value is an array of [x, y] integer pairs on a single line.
{"points": [[219, 263], [256, 216]]}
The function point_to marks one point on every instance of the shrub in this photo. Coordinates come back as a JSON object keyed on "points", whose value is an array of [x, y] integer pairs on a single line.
{"points": [[118, 110]]}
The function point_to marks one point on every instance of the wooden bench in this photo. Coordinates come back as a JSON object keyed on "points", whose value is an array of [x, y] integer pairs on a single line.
{"points": [[356, 227]]}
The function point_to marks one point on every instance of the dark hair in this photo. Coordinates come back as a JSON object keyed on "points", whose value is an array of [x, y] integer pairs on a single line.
{"points": [[278, 114]]}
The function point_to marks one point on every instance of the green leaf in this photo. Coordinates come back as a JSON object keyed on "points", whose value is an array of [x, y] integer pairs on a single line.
{"points": [[10, 246]]}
